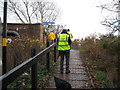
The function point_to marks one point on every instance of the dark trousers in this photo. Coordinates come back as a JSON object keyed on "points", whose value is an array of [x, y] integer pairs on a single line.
{"points": [[64, 55]]}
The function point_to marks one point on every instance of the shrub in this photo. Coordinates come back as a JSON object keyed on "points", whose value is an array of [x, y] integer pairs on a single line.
{"points": [[20, 50], [103, 54]]}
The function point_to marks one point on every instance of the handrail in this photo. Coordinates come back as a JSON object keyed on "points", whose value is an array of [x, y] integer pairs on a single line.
{"points": [[10, 76]]}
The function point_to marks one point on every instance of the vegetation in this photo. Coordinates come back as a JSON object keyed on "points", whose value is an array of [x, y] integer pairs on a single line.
{"points": [[26, 11], [24, 81], [20, 49], [101, 54]]}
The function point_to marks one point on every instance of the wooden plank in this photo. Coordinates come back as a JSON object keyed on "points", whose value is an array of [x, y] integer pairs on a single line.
{"points": [[77, 77]]}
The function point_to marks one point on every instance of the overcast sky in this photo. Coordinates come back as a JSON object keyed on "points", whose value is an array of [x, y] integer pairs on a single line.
{"points": [[81, 16]]}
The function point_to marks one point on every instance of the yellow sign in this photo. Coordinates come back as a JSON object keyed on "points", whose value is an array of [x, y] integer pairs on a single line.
{"points": [[4, 42], [51, 36]]}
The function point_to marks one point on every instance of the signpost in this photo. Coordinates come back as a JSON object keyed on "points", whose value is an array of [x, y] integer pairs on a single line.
{"points": [[4, 40], [0, 52]]}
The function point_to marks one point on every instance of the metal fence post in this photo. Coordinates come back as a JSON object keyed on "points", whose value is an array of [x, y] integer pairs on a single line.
{"points": [[34, 72], [48, 58]]}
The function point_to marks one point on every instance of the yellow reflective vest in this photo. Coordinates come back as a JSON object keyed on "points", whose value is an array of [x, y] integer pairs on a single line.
{"points": [[70, 35], [63, 42]]}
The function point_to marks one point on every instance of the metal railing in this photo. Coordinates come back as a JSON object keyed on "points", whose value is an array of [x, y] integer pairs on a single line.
{"points": [[10, 76]]}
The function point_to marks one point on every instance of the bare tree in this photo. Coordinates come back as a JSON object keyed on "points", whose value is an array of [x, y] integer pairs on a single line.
{"points": [[29, 12], [46, 11], [111, 10]]}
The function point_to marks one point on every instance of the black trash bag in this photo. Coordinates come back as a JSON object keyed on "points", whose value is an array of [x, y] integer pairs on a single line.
{"points": [[62, 84]]}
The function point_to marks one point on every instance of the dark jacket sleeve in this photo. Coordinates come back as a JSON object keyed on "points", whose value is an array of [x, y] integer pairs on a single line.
{"points": [[69, 40], [57, 40]]}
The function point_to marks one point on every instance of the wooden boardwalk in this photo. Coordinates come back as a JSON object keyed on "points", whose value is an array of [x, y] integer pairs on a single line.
{"points": [[77, 77]]}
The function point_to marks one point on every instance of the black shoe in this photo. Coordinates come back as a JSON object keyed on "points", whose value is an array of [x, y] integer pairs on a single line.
{"points": [[67, 72]]}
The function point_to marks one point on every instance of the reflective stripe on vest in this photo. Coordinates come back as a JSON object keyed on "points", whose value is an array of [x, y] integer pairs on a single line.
{"points": [[63, 42]]}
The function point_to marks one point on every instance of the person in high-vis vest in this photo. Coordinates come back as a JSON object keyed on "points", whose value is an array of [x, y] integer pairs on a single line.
{"points": [[68, 31], [51, 37], [64, 42]]}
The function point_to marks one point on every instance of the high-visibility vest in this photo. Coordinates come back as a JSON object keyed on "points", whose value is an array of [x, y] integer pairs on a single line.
{"points": [[63, 42], [51, 36], [70, 35]]}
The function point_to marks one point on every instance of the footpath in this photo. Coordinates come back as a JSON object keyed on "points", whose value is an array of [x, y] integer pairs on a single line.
{"points": [[77, 77]]}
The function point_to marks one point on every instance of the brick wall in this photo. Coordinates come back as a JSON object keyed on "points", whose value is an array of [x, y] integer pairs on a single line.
{"points": [[31, 30]]}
